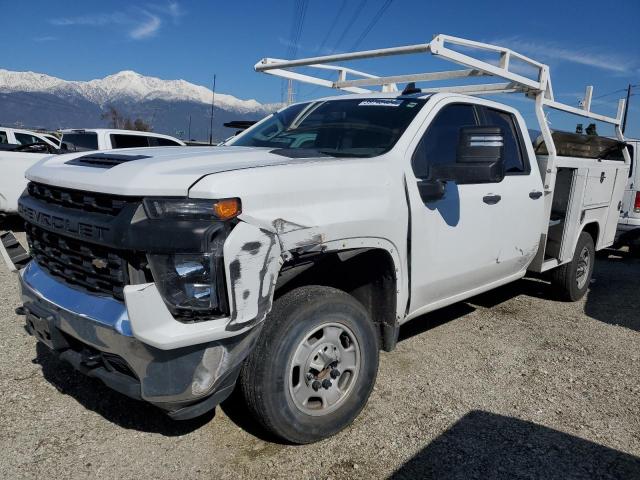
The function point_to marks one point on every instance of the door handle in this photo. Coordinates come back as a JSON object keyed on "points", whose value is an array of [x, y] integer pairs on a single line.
{"points": [[491, 199], [535, 195]]}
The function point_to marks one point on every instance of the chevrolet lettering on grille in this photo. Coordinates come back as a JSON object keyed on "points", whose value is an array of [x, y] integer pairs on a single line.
{"points": [[54, 222]]}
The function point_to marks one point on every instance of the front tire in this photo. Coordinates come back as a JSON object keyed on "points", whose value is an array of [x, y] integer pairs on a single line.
{"points": [[314, 366], [571, 280]]}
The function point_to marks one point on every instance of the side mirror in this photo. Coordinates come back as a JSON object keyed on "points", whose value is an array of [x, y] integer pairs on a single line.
{"points": [[479, 158], [431, 190]]}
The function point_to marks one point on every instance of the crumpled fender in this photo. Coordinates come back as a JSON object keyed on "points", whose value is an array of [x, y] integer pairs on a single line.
{"points": [[252, 256]]}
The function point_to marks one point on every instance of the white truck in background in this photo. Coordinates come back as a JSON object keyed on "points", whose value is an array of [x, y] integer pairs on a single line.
{"points": [[18, 136], [21, 149], [286, 259], [629, 225], [111, 138]]}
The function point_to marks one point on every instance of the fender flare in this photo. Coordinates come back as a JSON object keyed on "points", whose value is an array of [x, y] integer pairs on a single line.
{"points": [[254, 255]]}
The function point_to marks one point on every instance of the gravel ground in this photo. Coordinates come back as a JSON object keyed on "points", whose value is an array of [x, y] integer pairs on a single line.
{"points": [[506, 385]]}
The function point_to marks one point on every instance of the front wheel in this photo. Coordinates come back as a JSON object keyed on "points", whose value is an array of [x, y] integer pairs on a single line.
{"points": [[571, 280], [314, 366]]}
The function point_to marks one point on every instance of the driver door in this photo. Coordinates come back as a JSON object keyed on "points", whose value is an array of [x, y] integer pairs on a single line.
{"points": [[454, 249]]}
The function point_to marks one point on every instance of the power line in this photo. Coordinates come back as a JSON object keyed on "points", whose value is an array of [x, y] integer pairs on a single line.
{"points": [[610, 93], [379, 14], [350, 23], [334, 23], [297, 23]]}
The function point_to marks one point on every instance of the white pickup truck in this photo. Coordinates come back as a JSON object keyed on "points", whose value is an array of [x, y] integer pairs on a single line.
{"points": [[113, 138], [18, 136], [285, 260]]}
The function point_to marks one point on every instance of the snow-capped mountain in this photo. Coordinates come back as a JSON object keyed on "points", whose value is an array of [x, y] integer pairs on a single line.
{"points": [[125, 85], [176, 107]]}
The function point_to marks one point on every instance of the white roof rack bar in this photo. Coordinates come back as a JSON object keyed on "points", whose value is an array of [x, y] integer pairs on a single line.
{"points": [[582, 112], [266, 63], [483, 89], [416, 77], [538, 87]]}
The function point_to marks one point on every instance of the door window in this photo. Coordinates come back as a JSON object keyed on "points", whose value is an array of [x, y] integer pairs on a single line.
{"points": [[162, 142], [440, 142], [26, 139], [514, 156], [80, 141], [3, 137], [129, 141]]}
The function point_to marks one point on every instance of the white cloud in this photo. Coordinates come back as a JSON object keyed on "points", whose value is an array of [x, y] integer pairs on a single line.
{"points": [[95, 20], [549, 51], [138, 23], [46, 38], [146, 29]]}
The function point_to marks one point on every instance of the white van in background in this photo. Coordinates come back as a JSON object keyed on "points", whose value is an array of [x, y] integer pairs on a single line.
{"points": [[109, 139], [629, 226]]}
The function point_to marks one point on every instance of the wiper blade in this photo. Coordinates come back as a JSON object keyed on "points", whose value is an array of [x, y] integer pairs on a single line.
{"points": [[337, 154]]}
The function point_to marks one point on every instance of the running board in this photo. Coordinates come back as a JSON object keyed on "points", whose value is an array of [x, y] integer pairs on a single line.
{"points": [[14, 255]]}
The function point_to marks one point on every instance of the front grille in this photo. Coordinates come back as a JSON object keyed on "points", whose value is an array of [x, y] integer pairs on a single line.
{"points": [[95, 268], [80, 200]]}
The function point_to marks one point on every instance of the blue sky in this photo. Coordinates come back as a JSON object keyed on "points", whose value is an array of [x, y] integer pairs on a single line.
{"points": [[584, 42]]}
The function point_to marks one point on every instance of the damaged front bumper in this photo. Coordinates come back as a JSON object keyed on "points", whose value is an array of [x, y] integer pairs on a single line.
{"points": [[121, 344]]}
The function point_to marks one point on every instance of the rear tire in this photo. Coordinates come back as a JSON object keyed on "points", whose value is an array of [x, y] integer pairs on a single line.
{"points": [[311, 332], [571, 280]]}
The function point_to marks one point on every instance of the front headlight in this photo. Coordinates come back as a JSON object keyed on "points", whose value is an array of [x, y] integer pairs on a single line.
{"points": [[186, 281], [192, 208]]}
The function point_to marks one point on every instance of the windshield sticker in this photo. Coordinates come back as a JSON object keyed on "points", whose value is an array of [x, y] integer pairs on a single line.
{"points": [[380, 102], [411, 105]]}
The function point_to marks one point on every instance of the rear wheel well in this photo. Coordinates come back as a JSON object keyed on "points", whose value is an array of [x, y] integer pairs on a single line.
{"points": [[592, 229], [367, 274]]}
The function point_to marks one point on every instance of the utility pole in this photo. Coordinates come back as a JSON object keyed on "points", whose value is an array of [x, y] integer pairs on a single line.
{"points": [[290, 92], [626, 108], [213, 100], [189, 134]]}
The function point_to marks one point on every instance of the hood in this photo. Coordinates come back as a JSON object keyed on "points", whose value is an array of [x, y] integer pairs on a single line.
{"points": [[165, 171]]}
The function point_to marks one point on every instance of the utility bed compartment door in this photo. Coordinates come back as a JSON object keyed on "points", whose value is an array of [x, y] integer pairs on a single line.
{"points": [[621, 177], [600, 183]]}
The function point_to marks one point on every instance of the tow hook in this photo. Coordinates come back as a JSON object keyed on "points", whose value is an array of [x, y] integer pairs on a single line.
{"points": [[91, 360]]}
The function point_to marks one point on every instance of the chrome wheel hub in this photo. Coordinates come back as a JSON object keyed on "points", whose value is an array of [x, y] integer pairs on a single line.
{"points": [[582, 270], [324, 368]]}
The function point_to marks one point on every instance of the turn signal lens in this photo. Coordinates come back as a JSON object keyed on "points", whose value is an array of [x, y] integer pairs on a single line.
{"points": [[636, 204], [227, 208]]}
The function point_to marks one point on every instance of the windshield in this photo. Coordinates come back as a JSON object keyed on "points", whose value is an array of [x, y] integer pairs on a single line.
{"points": [[80, 141], [363, 127]]}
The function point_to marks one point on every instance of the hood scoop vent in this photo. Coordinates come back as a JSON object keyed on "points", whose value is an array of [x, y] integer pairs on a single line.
{"points": [[104, 160]]}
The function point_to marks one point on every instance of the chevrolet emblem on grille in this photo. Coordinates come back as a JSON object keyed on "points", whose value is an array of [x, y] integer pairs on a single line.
{"points": [[99, 263]]}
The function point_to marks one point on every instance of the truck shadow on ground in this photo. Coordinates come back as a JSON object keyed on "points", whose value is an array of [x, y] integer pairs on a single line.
{"points": [[486, 445], [114, 407], [613, 296], [422, 324]]}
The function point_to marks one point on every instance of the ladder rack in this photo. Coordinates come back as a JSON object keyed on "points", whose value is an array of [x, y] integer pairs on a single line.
{"points": [[540, 90]]}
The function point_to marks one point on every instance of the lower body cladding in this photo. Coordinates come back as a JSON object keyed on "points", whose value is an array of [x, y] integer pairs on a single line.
{"points": [[95, 335]]}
